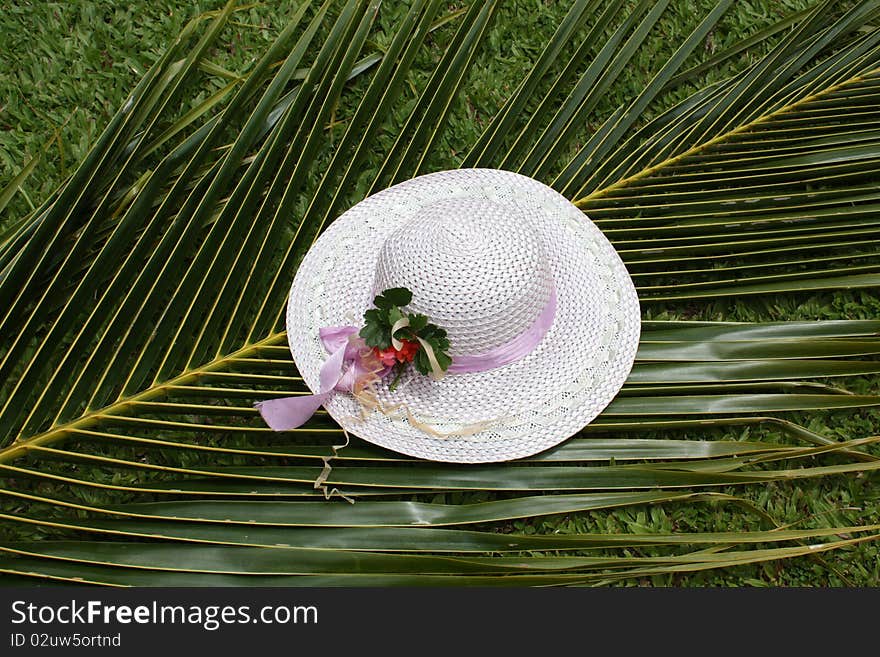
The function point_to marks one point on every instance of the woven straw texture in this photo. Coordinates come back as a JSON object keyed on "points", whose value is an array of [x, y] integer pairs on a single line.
{"points": [[481, 250]]}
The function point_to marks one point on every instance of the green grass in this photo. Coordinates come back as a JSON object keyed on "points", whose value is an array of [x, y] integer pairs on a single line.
{"points": [[71, 64]]}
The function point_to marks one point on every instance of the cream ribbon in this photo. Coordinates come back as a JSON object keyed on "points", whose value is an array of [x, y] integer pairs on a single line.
{"points": [[437, 372], [399, 324]]}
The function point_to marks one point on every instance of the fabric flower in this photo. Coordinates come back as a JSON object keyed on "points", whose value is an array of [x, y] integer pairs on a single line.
{"points": [[388, 357], [392, 356], [407, 351]]}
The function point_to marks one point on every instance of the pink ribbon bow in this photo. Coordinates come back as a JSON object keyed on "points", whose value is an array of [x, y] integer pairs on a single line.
{"points": [[345, 348]]}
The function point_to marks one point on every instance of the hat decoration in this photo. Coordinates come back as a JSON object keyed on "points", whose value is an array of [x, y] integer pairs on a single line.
{"points": [[391, 341], [466, 316]]}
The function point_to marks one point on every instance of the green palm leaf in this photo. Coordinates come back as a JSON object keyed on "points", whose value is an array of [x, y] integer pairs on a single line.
{"points": [[142, 303]]}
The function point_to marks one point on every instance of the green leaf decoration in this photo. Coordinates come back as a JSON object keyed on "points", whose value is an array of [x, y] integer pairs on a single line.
{"points": [[395, 296], [417, 322], [142, 302], [395, 314], [376, 331], [420, 362], [439, 345]]}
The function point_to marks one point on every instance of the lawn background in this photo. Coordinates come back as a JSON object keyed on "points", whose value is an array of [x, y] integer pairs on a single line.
{"points": [[65, 67]]}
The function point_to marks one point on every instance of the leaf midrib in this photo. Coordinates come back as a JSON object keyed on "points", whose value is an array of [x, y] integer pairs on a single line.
{"points": [[699, 148], [21, 444]]}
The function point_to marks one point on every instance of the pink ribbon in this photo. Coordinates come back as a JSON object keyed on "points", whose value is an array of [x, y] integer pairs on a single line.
{"points": [[345, 348], [512, 350]]}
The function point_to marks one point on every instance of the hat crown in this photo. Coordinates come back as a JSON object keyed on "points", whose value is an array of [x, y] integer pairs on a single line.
{"points": [[476, 267]]}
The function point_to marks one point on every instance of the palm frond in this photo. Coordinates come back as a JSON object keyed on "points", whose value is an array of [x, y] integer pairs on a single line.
{"points": [[764, 182], [143, 304]]}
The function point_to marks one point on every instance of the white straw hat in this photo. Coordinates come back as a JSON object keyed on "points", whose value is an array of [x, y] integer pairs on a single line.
{"points": [[488, 255]]}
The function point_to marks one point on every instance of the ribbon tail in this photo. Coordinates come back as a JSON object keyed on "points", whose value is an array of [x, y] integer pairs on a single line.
{"points": [[290, 412]]}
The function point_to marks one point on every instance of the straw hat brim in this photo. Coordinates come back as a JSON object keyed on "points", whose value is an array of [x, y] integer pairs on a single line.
{"points": [[522, 408]]}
